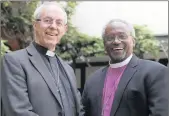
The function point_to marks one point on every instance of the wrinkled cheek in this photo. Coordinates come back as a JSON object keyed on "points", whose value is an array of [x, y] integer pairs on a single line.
{"points": [[109, 51], [41, 34], [106, 49]]}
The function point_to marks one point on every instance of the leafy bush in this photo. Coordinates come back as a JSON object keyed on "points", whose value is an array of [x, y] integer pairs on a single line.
{"points": [[4, 48]]}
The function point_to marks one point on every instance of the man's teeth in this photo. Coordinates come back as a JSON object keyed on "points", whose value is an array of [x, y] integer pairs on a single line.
{"points": [[51, 34], [117, 48]]}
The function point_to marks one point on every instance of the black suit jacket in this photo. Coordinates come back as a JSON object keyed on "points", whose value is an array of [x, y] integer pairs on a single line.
{"points": [[142, 90]]}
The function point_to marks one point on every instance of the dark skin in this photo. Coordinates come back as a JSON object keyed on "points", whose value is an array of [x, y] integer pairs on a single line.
{"points": [[118, 42]]}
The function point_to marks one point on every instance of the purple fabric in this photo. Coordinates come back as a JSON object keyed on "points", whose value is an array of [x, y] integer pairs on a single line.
{"points": [[113, 77]]}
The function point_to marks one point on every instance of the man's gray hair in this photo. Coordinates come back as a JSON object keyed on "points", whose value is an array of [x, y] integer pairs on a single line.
{"points": [[129, 26], [43, 5]]}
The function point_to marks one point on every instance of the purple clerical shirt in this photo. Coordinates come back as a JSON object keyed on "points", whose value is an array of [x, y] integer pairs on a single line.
{"points": [[111, 82]]}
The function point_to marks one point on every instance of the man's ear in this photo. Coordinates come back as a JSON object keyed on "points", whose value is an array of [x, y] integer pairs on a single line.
{"points": [[34, 25], [134, 41], [66, 28], [105, 51]]}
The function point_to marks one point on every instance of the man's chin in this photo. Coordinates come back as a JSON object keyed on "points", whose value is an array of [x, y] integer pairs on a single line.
{"points": [[50, 46], [52, 42], [117, 59]]}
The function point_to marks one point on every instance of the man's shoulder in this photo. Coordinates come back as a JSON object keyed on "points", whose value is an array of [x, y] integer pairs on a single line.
{"points": [[151, 64], [97, 74], [13, 53], [99, 71], [151, 67], [16, 54]]}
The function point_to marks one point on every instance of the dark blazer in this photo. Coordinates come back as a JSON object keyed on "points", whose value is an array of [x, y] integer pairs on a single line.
{"points": [[142, 90], [29, 88]]}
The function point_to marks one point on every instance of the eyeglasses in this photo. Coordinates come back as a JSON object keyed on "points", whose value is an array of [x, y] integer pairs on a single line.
{"points": [[49, 21], [120, 37]]}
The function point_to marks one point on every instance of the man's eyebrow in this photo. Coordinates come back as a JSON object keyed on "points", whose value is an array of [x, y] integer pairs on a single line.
{"points": [[52, 18], [48, 18], [118, 33], [122, 32]]}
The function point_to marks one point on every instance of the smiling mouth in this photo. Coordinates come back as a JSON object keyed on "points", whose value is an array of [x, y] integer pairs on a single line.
{"points": [[116, 49], [51, 34]]}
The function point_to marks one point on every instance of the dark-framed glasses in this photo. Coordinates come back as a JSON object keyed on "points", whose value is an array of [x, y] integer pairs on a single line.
{"points": [[120, 37]]}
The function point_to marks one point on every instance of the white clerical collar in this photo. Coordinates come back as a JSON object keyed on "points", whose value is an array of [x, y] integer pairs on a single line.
{"points": [[50, 53], [120, 64]]}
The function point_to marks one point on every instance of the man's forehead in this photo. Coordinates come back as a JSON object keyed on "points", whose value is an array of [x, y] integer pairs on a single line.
{"points": [[55, 11], [116, 28]]}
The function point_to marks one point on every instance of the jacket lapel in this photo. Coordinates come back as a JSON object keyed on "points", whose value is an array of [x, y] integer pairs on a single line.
{"points": [[100, 87], [39, 64], [126, 77], [72, 80]]}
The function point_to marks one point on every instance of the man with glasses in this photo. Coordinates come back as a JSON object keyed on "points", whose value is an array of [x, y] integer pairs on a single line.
{"points": [[35, 81], [128, 86]]}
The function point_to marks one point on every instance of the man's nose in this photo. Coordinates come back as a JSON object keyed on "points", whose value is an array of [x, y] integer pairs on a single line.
{"points": [[54, 25], [116, 40]]}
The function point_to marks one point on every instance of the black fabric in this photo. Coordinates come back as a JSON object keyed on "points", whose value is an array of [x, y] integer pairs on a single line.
{"points": [[61, 80], [63, 86], [69, 103], [42, 50]]}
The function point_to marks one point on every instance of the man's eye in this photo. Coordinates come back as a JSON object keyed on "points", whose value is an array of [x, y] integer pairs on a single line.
{"points": [[110, 38], [122, 36], [59, 23], [47, 20]]}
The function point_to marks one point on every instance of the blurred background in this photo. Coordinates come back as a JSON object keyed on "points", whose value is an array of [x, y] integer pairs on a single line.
{"points": [[82, 46]]}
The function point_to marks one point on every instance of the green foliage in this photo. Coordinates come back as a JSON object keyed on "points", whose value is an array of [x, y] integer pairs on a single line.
{"points": [[17, 20], [145, 42], [81, 44], [4, 48], [74, 44], [28, 10]]}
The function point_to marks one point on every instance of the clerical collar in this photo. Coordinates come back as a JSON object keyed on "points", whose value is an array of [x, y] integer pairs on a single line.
{"points": [[50, 53], [43, 50], [121, 64]]}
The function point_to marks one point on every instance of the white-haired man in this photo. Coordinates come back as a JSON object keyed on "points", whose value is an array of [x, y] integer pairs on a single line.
{"points": [[36, 82], [128, 86]]}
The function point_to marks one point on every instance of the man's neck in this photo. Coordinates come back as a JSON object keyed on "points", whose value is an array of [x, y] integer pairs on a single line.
{"points": [[120, 64], [50, 48]]}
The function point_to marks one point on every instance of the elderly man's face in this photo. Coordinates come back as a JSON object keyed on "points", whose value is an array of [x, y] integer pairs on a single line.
{"points": [[118, 42], [50, 28]]}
